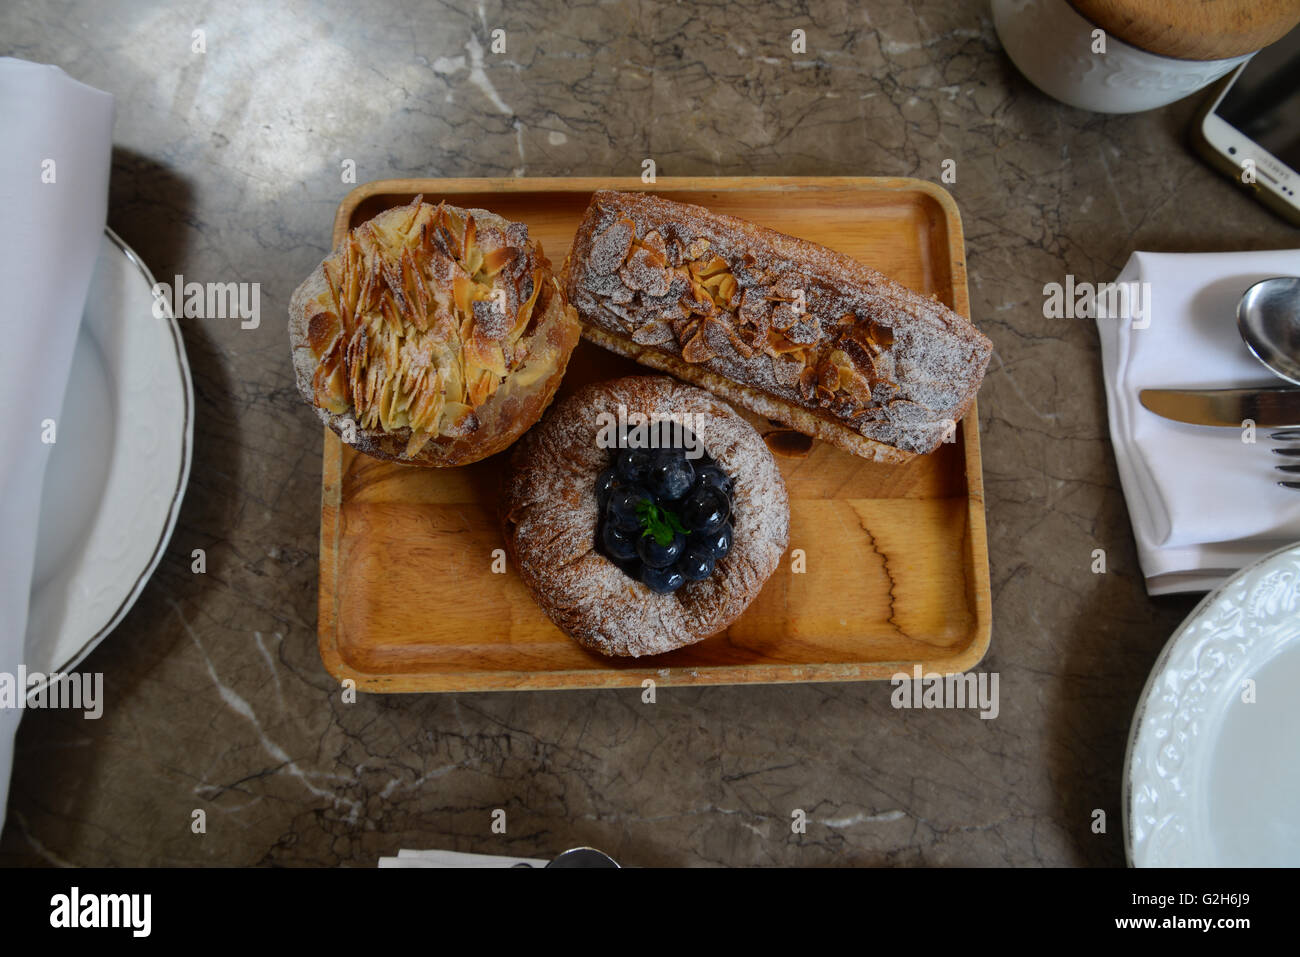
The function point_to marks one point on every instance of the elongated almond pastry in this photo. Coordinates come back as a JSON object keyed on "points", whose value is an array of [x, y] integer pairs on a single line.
{"points": [[784, 327], [432, 335]]}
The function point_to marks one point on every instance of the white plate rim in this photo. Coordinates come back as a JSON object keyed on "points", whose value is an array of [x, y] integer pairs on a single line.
{"points": [[1174, 645], [133, 593]]}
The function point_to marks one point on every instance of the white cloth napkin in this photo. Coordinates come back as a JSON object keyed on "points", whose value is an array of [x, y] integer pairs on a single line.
{"points": [[407, 858], [1202, 502], [55, 158]]}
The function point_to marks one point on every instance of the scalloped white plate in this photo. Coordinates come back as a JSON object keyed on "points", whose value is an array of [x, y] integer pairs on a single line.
{"points": [[116, 474], [1213, 779]]}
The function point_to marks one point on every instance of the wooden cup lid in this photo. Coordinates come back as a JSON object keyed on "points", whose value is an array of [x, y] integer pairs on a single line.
{"points": [[1187, 30]]}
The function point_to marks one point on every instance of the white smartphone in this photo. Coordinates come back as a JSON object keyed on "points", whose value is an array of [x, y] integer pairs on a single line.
{"points": [[1251, 129]]}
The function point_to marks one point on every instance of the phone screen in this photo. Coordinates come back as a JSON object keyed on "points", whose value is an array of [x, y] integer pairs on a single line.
{"points": [[1264, 101]]}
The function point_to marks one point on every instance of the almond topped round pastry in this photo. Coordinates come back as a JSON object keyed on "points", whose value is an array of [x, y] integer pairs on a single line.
{"points": [[644, 515], [432, 335]]}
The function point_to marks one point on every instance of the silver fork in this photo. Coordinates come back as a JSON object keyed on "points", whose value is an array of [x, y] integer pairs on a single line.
{"points": [[1288, 435]]}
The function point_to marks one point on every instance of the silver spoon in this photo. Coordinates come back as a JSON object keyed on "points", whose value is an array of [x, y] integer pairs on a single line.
{"points": [[1268, 318]]}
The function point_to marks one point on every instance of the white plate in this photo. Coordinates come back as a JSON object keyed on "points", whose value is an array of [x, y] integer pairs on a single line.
{"points": [[118, 469], [1212, 780]]}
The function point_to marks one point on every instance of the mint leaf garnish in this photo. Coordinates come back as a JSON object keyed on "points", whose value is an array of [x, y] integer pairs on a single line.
{"points": [[660, 523]]}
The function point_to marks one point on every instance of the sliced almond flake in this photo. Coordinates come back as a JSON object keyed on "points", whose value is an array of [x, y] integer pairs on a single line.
{"points": [[482, 382], [415, 445], [641, 272], [610, 248], [526, 310], [323, 330], [462, 291], [458, 419], [483, 353], [698, 349], [414, 207], [490, 320], [807, 383], [697, 248], [738, 341], [498, 259], [467, 239], [386, 393], [656, 332], [777, 344], [654, 240]]}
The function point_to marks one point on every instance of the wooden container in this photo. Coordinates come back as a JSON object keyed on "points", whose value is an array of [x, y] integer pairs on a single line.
{"points": [[1217, 30], [891, 567]]}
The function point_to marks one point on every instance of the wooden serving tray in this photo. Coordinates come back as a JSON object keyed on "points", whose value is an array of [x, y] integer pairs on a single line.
{"points": [[896, 560]]}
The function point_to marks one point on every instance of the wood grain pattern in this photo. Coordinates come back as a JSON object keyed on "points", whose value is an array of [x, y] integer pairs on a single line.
{"points": [[896, 556], [1217, 30]]}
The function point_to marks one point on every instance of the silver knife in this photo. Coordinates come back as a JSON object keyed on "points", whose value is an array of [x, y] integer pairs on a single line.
{"points": [[1228, 408]]}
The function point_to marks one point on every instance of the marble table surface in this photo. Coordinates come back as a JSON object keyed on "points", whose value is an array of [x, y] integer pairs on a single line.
{"points": [[227, 168]]}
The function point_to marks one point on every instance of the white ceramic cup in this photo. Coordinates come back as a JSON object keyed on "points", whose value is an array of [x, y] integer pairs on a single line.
{"points": [[1053, 46]]}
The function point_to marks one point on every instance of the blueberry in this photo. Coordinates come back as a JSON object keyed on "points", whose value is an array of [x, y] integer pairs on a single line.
{"points": [[632, 464], [619, 545], [710, 476], [671, 475], [662, 580], [605, 487], [697, 564], [660, 556], [719, 542], [622, 507], [705, 509]]}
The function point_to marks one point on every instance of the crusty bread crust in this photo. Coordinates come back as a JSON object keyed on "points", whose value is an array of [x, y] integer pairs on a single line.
{"points": [[509, 412], [549, 516], [861, 361], [762, 403]]}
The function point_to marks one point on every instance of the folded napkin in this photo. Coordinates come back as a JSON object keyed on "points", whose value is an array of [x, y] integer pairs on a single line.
{"points": [[406, 858], [54, 165], [1202, 502]]}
